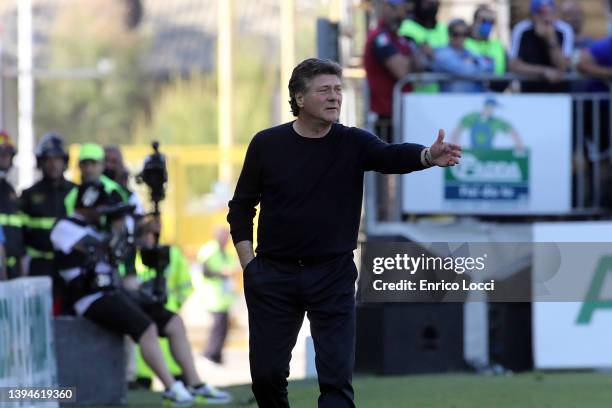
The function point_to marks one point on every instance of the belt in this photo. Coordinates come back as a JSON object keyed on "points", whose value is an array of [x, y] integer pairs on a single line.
{"points": [[304, 261]]}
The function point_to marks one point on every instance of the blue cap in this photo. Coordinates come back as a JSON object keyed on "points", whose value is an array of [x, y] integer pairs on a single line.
{"points": [[536, 5], [490, 101]]}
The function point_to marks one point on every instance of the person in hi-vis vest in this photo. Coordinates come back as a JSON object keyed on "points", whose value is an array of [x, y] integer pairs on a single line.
{"points": [[219, 266], [178, 289]]}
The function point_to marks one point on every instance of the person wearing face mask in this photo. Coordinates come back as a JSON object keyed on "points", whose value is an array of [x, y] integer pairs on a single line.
{"points": [[424, 27], [480, 41], [10, 220], [457, 60], [427, 33]]}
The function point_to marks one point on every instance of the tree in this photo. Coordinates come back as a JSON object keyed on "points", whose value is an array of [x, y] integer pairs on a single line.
{"points": [[91, 33]]}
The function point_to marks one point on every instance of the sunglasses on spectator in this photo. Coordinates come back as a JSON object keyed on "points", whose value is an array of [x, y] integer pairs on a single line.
{"points": [[459, 34]]}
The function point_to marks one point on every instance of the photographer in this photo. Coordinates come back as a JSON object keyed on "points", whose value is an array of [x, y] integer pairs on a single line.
{"points": [[89, 246], [176, 282], [91, 166]]}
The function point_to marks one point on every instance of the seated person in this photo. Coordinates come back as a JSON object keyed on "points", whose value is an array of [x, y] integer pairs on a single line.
{"points": [[88, 247], [457, 60]]}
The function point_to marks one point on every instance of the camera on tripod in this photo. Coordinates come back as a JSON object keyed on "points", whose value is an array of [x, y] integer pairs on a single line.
{"points": [[155, 175]]}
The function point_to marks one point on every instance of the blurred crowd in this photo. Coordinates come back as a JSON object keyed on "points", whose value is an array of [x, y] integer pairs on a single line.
{"points": [[549, 52], [410, 38]]}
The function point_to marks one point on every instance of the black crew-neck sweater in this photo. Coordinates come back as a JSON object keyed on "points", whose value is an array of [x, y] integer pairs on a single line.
{"points": [[310, 189]]}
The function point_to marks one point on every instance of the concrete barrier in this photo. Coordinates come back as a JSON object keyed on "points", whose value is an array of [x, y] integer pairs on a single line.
{"points": [[91, 359]]}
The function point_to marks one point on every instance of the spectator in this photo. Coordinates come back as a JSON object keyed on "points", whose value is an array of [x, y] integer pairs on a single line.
{"points": [[542, 46], [573, 14], [425, 28], [457, 60], [428, 33], [386, 59], [609, 16], [480, 42], [596, 61]]}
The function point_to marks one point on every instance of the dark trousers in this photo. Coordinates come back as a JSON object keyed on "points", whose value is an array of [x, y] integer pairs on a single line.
{"points": [[278, 294], [218, 334]]}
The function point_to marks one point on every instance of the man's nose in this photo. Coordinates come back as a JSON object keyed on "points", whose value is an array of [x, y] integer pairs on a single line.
{"points": [[334, 96]]}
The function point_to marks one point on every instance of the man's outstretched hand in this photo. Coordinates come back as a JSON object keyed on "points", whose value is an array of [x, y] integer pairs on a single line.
{"points": [[444, 154]]}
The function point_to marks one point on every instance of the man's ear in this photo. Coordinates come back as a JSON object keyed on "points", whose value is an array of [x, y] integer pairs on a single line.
{"points": [[299, 99]]}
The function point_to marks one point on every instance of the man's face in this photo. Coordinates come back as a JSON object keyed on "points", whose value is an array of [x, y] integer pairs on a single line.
{"points": [[91, 170], [572, 14], [117, 225], [393, 14], [322, 99], [458, 35], [222, 236], [545, 15], [146, 240], [430, 6], [483, 23], [6, 160], [113, 162], [53, 167]]}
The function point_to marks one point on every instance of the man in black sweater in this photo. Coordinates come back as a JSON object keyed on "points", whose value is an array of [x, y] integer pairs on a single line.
{"points": [[307, 176]]}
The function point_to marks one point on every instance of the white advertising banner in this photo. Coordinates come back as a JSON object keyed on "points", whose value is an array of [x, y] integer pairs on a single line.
{"points": [[576, 334], [516, 153]]}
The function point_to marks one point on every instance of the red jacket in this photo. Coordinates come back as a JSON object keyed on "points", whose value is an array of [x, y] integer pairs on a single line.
{"points": [[381, 44]]}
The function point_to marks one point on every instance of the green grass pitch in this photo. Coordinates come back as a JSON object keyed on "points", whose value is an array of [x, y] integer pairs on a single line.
{"points": [[531, 390]]}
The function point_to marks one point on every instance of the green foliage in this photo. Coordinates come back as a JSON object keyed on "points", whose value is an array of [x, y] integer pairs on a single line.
{"points": [[184, 112], [120, 108], [256, 77], [185, 109], [529, 390], [86, 35]]}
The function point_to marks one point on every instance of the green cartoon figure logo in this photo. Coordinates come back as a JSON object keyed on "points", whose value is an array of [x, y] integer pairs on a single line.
{"points": [[484, 126], [487, 173]]}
